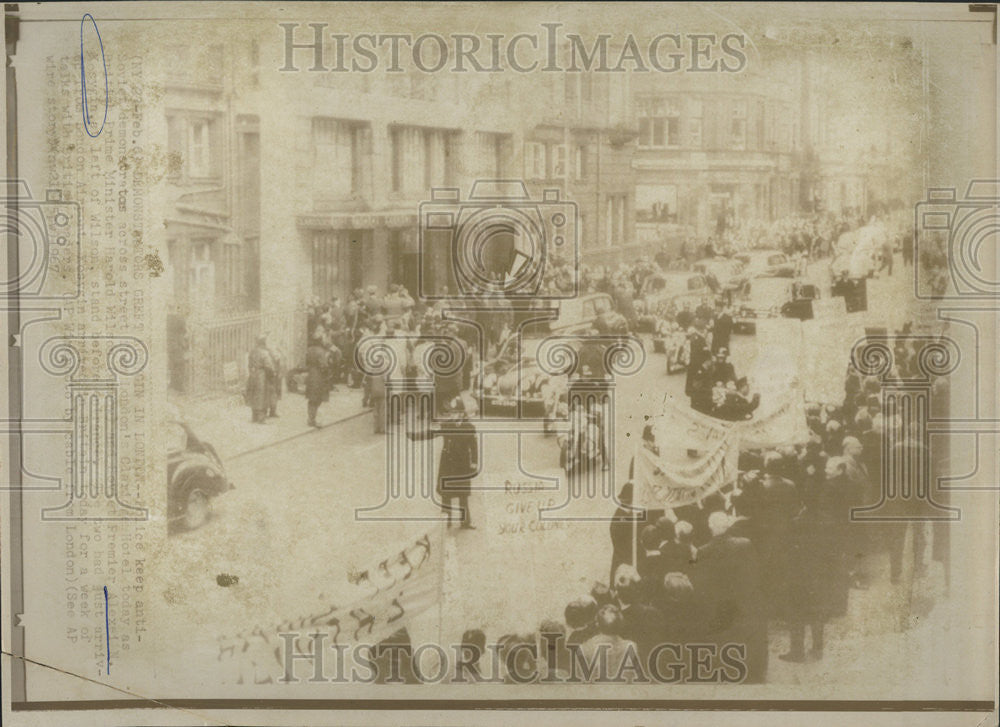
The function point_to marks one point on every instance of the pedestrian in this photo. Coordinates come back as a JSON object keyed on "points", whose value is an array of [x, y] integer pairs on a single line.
{"points": [[817, 575], [727, 584], [682, 617], [722, 329], [695, 381], [887, 253], [377, 400], [261, 367], [624, 530], [642, 623], [318, 379], [458, 464], [579, 615], [609, 640], [274, 378]]}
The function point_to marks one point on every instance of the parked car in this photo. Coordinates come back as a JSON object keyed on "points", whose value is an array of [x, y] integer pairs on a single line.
{"points": [[595, 310], [766, 263], [195, 476], [679, 288]]}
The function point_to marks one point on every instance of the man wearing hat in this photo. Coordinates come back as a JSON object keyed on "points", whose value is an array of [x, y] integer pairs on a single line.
{"points": [[459, 461], [262, 368], [722, 329], [694, 382], [318, 378]]}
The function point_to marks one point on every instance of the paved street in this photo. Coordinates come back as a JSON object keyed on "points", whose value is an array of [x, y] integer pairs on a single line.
{"points": [[297, 499]]}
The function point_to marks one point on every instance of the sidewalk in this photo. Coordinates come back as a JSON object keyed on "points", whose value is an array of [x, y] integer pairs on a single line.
{"points": [[223, 420]]}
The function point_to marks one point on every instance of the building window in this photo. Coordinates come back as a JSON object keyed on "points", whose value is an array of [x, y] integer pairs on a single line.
{"points": [[535, 160], [578, 91], [490, 150], [435, 158], [339, 156], [421, 158], [651, 132], [580, 165], [177, 256], [615, 222], [201, 272], [199, 148], [229, 275], [325, 265], [659, 123], [559, 161], [694, 123], [759, 120], [194, 146], [738, 125]]}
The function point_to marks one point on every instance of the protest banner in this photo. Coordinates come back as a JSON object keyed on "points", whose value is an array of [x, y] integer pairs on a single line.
{"points": [[665, 484], [388, 595]]}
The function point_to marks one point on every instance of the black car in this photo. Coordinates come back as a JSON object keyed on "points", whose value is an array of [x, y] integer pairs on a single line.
{"points": [[195, 476], [801, 304]]}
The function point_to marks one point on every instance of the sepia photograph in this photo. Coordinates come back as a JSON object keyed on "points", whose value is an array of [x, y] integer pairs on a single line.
{"points": [[439, 363]]}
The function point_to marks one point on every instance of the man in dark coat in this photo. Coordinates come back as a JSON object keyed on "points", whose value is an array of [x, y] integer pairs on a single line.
{"points": [[727, 584], [624, 530], [770, 509], [580, 615], [817, 575], [722, 329], [262, 368], [720, 369], [459, 462], [317, 379], [694, 382], [641, 623], [682, 617]]}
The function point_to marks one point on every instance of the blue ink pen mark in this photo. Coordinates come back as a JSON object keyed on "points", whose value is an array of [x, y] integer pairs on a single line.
{"points": [[107, 627], [83, 79]]}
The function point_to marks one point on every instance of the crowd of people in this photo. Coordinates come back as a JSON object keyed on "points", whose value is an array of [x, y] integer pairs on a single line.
{"points": [[682, 331], [777, 551]]}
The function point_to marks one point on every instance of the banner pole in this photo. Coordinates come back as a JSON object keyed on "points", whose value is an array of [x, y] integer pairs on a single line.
{"points": [[441, 580], [635, 515]]}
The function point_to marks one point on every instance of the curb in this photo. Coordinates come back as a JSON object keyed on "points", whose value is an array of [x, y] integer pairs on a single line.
{"points": [[309, 430]]}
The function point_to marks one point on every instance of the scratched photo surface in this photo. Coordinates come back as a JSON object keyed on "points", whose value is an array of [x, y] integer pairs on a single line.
{"points": [[422, 363]]}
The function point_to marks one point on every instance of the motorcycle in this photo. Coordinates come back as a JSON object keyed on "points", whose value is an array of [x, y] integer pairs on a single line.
{"points": [[583, 448]]}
